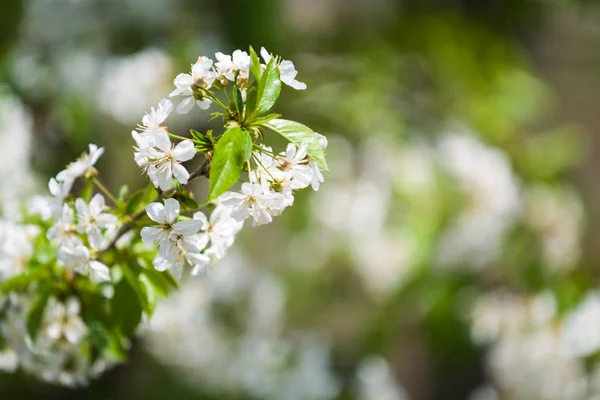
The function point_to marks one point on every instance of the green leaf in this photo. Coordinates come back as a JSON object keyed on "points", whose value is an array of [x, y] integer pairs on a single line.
{"points": [[264, 119], [151, 295], [254, 64], [228, 159], [239, 102], [20, 282], [87, 191], [125, 308], [123, 192], [186, 199], [268, 89], [203, 143], [140, 199], [134, 281], [36, 313], [161, 281], [297, 133]]}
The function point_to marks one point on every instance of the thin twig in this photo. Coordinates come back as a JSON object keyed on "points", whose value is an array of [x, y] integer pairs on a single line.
{"points": [[105, 191]]}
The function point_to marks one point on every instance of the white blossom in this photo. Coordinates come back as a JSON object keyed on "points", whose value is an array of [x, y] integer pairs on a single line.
{"points": [[152, 121], [92, 219], [197, 260], [201, 76], [317, 175], [51, 206], [16, 247], [130, 84], [220, 230], [253, 201], [80, 260], [82, 165], [230, 65], [141, 150], [63, 231], [287, 71], [173, 237], [293, 164], [164, 161], [62, 320]]}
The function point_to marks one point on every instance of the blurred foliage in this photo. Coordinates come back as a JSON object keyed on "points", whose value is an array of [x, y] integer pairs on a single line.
{"points": [[398, 78]]}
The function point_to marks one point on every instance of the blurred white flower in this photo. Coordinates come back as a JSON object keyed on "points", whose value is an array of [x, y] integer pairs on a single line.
{"points": [[63, 231], [287, 71], [317, 175], [130, 85], [383, 261], [16, 175], [484, 393], [253, 359], [375, 381], [582, 326], [62, 321], [80, 167], [493, 201], [78, 258], [92, 219], [254, 202], [219, 230], [16, 247], [557, 215]]}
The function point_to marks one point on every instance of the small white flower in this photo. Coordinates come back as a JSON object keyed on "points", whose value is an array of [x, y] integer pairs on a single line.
{"points": [[93, 218], [253, 201], [80, 259], [173, 237], [220, 230], [293, 165], [201, 76], [164, 161], [238, 63], [62, 320], [317, 175], [151, 122], [197, 260], [82, 165], [53, 205], [287, 71], [63, 231], [268, 168], [142, 149]]}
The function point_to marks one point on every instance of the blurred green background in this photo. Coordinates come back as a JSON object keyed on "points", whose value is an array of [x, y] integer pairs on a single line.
{"points": [[452, 251]]}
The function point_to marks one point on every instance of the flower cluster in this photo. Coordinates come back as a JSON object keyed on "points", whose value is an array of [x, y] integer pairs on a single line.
{"points": [[83, 267], [272, 177]]}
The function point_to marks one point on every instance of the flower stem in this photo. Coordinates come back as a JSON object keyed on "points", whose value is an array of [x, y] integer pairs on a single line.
{"points": [[263, 167], [214, 99], [104, 190], [177, 136], [199, 208]]}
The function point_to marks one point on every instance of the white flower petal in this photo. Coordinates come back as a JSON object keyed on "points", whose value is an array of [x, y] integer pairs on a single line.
{"points": [[156, 212], [186, 105], [187, 228], [181, 174], [150, 234], [184, 151], [171, 210]]}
